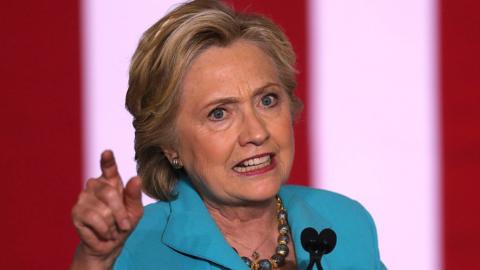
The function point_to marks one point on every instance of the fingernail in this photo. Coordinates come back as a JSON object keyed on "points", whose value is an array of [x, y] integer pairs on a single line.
{"points": [[125, 224]]}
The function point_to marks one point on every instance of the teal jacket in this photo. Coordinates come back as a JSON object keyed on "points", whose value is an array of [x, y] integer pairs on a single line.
{"points": [[182, 235]]}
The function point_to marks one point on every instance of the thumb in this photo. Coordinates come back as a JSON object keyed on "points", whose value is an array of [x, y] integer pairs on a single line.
{"points": [[133, 198]]}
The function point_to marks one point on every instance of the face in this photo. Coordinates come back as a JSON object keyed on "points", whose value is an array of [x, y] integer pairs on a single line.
{"points": [[234, 125]]}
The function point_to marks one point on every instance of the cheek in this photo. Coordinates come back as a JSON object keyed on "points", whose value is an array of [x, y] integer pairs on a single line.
{"points": [[284, 136], [204, 151], [283, 131]]}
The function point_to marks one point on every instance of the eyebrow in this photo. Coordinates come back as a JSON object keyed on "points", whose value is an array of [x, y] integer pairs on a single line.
{"points": [[230, 100]]}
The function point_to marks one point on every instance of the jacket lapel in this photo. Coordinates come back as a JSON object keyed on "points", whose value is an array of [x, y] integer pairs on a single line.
{"points": [[192, 231], [300, 216]]}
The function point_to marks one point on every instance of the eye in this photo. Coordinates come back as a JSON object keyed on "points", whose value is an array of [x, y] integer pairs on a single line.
{"points": [[217, 114], [269, 100]]}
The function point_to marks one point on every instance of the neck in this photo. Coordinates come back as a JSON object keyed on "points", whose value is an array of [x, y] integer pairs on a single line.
{"points": [[247, 227]]}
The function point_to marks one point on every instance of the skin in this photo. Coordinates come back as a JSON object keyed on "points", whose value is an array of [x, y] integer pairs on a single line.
{"points": [[234, 79], [105, 214], [237, 80], [233, 108]]}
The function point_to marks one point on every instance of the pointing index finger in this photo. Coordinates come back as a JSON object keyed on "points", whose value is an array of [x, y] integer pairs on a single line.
{"points": [[109, 168]]}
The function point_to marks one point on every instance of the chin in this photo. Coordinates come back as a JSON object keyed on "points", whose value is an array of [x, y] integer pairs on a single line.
{"points": [[263, 192]]}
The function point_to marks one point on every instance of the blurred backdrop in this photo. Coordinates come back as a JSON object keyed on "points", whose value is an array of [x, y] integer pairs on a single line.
{"points": [[392, 116]]}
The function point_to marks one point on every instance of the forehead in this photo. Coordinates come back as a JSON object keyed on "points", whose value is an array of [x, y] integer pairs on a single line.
{"points": [[238, 68]]}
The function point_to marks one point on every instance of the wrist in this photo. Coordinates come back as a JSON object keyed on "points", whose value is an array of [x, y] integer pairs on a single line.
{"points": [[85, 260]]}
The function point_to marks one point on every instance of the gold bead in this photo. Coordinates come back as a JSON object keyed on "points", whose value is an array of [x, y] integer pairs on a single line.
{"points": [[274, 263]]}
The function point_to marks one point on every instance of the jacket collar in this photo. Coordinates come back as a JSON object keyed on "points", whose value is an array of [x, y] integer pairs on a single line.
{"points": [[302, 215], [191, 230]]}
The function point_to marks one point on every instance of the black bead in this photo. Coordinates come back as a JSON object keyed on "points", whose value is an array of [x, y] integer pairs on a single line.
{"points": [[278, 259], [283, 229], [283, 239], [264, 264], [282, 250], [247, 261], [282, 214]]}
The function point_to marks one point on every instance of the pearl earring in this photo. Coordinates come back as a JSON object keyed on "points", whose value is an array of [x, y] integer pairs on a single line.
{"points": [[176, 164]]}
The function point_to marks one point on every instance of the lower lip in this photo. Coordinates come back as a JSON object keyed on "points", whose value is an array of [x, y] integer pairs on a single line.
{"points": [[263, 170]]}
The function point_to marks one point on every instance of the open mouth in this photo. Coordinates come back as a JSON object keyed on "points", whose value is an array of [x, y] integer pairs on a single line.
{"points": [[254, 163]]}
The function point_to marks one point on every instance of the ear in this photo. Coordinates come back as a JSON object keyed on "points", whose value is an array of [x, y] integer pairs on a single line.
{"points": [[170, 153]]}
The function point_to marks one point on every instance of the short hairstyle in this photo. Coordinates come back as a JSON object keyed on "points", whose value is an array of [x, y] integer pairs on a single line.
{"points": [[160, 62]]}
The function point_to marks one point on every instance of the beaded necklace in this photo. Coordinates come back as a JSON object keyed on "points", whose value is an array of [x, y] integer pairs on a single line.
{"points": [[281, 251]]}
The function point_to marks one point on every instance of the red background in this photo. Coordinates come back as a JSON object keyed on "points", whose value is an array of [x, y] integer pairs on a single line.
{"points": [[460, 86], [41, 125], [41, 137]]}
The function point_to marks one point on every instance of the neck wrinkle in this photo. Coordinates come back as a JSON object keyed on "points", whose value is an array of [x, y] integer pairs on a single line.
{"points": [[248, 225]]}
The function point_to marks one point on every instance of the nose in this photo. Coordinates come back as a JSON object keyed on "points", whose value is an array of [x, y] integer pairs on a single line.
{"points": [[254, 130]]}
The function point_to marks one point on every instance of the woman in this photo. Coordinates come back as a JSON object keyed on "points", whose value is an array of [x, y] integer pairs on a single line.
{"points": [[212, 96]]}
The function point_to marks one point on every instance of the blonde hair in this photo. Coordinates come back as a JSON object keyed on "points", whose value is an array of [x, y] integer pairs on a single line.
{"points": [[161, 60]]}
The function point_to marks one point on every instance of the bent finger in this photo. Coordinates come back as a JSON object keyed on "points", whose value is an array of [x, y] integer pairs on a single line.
{"points": [[93, 221], [115, 207], [133, 198]]}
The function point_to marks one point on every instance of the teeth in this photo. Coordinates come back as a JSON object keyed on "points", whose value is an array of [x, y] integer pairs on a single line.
{"points": [[256, 161], [253, 164]]}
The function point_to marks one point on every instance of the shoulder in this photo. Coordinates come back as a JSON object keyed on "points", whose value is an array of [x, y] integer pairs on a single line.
{"points": [[323, 200], [313, 194], [151, 224], [333, 207], [352, 223], [144, 248]]}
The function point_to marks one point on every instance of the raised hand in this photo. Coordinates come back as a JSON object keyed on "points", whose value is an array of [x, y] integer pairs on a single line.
{"points": [[104, 215]]}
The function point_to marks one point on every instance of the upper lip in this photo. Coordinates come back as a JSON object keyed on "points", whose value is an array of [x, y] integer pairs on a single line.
{"points": [[252, 157]]}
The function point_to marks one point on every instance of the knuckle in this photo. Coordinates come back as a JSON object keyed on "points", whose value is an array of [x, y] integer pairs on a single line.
{"points": [[85, 199], [91, 183], [109, 193], [90, 215], [80, 205], [74, 213], [106, 213], [82, 197], [94, 220], [103, 229]]}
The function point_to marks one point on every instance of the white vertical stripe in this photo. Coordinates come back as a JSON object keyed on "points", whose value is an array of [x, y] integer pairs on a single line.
{"points": [[374, 116], [111, 31]]}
